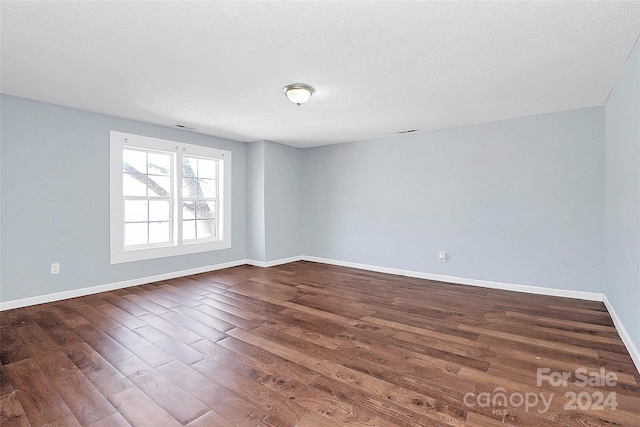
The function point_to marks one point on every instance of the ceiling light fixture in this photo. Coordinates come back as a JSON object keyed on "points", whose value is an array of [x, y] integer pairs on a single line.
{"points": [[298, 93]]}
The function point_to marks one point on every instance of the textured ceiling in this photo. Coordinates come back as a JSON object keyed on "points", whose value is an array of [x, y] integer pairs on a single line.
{"points": [[377, 67]]}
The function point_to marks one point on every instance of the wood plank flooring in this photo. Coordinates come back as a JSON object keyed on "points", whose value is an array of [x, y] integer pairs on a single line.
{"points": [[312, 345]]}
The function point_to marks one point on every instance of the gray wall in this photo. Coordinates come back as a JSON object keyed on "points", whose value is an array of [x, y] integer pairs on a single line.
{"points": [[283, 193], [256, 245], [55, 199], [274, 191], [622, 208], [517, 201]]}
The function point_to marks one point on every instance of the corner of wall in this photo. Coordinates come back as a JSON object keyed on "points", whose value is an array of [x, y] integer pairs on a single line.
{"points": [[622, 203]]}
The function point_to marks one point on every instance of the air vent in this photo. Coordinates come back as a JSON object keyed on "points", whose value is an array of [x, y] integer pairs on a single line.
{"points": [[409, 131], [184, 127]]}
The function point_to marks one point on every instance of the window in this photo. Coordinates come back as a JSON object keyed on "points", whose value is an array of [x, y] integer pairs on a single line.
{"points": [[167, 198]]}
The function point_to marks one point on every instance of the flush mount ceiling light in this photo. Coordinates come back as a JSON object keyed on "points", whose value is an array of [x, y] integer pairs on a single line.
{"points": [[298, 93]]}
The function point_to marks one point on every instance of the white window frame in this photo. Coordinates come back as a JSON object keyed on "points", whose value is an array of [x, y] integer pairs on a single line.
{"points": [[118, 253]]}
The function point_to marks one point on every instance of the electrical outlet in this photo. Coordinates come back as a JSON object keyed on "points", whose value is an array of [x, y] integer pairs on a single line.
{"points": [[442, 256], [55, 268]]}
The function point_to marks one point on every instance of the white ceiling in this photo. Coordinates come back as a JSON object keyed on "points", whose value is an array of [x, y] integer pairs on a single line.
{"points": [[377, 67]]}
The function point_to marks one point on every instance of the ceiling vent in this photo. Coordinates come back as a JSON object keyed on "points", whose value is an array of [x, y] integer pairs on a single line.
{"points": [[409, 131]]}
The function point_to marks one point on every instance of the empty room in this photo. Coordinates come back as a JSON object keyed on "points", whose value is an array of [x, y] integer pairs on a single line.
{"points": [[319, 213]]}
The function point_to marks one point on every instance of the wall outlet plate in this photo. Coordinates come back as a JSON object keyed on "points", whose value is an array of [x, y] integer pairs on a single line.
{"points": [[55, 268], [442, 256]]}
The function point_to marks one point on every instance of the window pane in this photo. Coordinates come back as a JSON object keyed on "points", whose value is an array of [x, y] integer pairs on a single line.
{"points": [[206, 228], [205, 210], [135, 234], [208, 188], [148, 216], [188, 230], [189, 167], [159, 210], [207, 168], [134, 185], [159, 164], [134, 161], [160, 186], [189, 210], [190, 188], [135, 211], [159, 232]]}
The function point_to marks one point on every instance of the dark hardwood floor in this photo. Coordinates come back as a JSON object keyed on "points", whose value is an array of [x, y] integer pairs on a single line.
{"points": [[313, 345]]}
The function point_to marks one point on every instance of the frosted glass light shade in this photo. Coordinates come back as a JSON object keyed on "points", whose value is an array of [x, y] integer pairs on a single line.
{"points": [[298, 93]]}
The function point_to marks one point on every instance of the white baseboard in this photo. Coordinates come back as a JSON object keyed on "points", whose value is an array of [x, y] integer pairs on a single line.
{"points": [[590, 296], [275, 262], [624, 335], [58, 296], [74, 293], [41, 299]]}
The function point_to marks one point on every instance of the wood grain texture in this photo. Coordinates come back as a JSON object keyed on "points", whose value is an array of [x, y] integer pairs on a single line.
{"points": [[140, 410], [12, 349], [308, 345], [86, 403], [11, 412], [41, 402]]}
